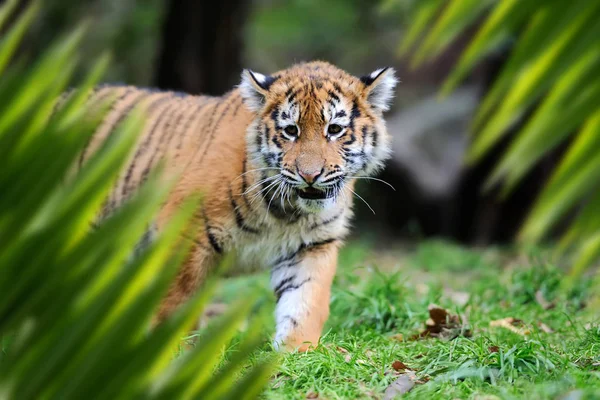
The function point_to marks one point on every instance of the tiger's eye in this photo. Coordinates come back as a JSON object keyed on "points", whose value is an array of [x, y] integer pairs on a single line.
{"points": [[291, 130], [334, 129]]}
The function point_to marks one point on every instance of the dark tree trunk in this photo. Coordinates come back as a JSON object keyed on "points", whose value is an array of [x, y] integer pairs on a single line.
{"points": [[202, 46]]}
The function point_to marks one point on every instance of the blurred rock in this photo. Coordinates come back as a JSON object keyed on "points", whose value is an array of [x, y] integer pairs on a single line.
{"points": [[430, 140]]}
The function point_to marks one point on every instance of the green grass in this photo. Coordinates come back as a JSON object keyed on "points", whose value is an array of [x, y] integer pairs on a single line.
{"points": [[380, 301]]}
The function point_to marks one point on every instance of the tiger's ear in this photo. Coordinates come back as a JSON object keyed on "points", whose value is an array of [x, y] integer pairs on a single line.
{"points": [[254, 88], [379, 87]]}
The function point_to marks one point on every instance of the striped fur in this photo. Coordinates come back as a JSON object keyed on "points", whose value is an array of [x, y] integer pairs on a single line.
{"points": [[277, 177]]}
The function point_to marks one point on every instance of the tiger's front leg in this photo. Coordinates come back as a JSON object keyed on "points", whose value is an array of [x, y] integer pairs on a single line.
{"points": [[302, 285]]}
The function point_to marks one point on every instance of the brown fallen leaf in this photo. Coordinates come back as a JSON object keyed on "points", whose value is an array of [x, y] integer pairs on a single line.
{"points": [[494, 349], [400, 366], [312, 395], [403, 384], [397, 337], [513, 324], [441, 324], [541, 300]]}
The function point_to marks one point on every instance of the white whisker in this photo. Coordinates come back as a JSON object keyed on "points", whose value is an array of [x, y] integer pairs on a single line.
{"points": [[372, 179], [364, 201], [257, 195], [251, 188], [253, 170], [273, 196]]}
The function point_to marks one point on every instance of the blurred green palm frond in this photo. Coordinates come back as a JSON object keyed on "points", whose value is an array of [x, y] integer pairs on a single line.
{"points": [[552, 70], [75, 302]]}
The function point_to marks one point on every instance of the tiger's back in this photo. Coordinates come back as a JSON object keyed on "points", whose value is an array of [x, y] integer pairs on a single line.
{"points": [[180, 130]]}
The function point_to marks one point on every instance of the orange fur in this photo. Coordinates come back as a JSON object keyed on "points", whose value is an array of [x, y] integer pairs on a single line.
{"points": [[224, 146]]}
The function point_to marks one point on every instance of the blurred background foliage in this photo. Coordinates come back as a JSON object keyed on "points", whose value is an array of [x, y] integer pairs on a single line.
{"points": [[549, 87], [76, 304]]}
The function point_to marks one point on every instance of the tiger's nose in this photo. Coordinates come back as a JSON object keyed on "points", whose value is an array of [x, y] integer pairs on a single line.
{"points": [[310, 177]]}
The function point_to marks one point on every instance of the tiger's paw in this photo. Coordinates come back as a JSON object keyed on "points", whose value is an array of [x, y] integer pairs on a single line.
{"points": [[290, 346], [290, 337]]}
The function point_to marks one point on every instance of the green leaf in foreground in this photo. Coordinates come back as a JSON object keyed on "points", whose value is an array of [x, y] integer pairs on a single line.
{"points": [[77, 298]]}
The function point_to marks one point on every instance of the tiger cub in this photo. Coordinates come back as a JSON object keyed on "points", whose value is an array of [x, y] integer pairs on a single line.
{"points": [[276, 159]]}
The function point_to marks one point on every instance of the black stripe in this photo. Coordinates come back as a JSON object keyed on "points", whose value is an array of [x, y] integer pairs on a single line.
{"points": [[125, 113], [304, 247], [289, 287], [292, 96], [355, 113], [193, 159], [142, 147], [276, 141], [275, 210], [211, 237], [275, 115], [113, 106], [213, 241], [313, 245], [160, 149], [239, 218], [364, 135], [333, 96], [259, 138], [198, 109], [245, 185], [215, 127], [351, 140], [203, 130], [289, 216], [293, 320], [284, 282], [271, 159], [235, 110], [368, 79], [326, 221]]}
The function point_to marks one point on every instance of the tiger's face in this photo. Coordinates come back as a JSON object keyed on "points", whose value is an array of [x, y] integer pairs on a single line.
{"points": [[316, 129]]}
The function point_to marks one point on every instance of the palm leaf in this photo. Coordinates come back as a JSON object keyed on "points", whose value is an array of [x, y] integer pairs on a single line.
{"points": [[502, 23], [77, 301], [423, 16], [457, 16], [553, 68], [574, 98]]}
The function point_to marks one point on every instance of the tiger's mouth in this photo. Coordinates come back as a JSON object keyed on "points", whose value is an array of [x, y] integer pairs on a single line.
{"points": [[311, 193]]}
